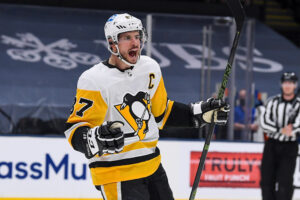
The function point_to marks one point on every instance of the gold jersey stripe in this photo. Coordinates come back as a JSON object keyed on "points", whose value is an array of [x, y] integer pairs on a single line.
{"points": [[105, 175], [159, 100], [111, 191], [42, 198], [95, 114], [137, 145], [168, 111]]}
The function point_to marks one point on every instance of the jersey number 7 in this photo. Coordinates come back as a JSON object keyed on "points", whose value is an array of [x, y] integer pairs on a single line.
{"points": [[87, 104]]}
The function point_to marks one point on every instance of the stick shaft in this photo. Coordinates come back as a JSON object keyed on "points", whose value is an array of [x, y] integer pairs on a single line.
{"points": [[202, 161], [239, 18], [228, 66], [212, 125]]}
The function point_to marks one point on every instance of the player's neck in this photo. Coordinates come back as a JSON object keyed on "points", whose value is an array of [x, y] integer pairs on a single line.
{"points": [[115, 61]]}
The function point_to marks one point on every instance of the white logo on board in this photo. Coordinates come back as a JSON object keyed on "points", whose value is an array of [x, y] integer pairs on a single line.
{"points": [[57, 54], [31, 49]]}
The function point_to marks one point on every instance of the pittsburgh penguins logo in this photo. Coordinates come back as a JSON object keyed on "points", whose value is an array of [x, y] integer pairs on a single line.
{"points": [[136, 111]]}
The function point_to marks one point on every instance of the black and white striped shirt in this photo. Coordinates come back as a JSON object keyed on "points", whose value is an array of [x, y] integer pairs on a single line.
{"points": [[279, 113]]}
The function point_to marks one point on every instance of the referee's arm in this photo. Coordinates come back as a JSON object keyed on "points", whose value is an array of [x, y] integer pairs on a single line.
{"points": [[267, 118], [296, 124]]}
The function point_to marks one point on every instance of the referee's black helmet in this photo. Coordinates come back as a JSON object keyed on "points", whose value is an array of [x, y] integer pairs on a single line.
{"points": [[289, 76]]}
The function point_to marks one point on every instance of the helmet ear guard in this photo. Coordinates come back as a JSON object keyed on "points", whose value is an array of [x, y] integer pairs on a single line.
{"points": [[109, 45]]}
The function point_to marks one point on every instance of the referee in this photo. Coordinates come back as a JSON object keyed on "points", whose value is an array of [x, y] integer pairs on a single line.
{"points": [[281, 124]]}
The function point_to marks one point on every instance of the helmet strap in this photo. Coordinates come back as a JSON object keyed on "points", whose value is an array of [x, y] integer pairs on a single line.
{"points": [[118, 54]]}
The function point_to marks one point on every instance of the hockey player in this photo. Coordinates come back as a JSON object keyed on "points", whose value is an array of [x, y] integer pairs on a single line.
{"points": [[120, 106], [281, 123]]}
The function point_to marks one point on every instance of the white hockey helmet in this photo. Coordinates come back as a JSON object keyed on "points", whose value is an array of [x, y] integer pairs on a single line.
{"points": [[121, 23]]}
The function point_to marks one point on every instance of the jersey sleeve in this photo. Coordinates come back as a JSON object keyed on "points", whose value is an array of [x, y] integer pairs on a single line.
{"points": [[161, 106], [268, 122], [168, 112], [88, 111], [296, 121]]}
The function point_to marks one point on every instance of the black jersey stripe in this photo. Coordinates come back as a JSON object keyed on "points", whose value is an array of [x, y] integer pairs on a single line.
{"points": [[160, 118], [284, 112], [127, 161], [271, 117], [271, 114], [68, 125], [278, 111]]}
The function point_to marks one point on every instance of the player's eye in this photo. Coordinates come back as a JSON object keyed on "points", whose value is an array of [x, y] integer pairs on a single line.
{"points": [[138, 37], [128, 37]]}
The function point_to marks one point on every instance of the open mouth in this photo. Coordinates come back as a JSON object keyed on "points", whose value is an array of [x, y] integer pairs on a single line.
{"points": [[133, 53]]}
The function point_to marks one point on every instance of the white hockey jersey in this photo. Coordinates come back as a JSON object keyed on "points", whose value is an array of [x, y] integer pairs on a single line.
{"points": [[138, 98]]}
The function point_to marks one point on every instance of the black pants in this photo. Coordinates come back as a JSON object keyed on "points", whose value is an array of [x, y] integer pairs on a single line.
{"points": [[277, 170], [154, 187]]}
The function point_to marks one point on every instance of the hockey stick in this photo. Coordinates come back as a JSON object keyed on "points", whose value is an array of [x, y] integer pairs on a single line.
{"points": [[239, 16]]}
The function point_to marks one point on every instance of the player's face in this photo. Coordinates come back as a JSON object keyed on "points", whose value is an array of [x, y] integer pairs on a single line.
{"points": [[288, 87], [130, 46]]}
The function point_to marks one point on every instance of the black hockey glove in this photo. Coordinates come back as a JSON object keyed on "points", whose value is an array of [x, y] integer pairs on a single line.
{"points": [[204, 110], [107, 138]]}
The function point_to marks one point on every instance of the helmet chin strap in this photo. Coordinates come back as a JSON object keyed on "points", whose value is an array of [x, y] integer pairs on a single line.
{"points": [[118, 54]]}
